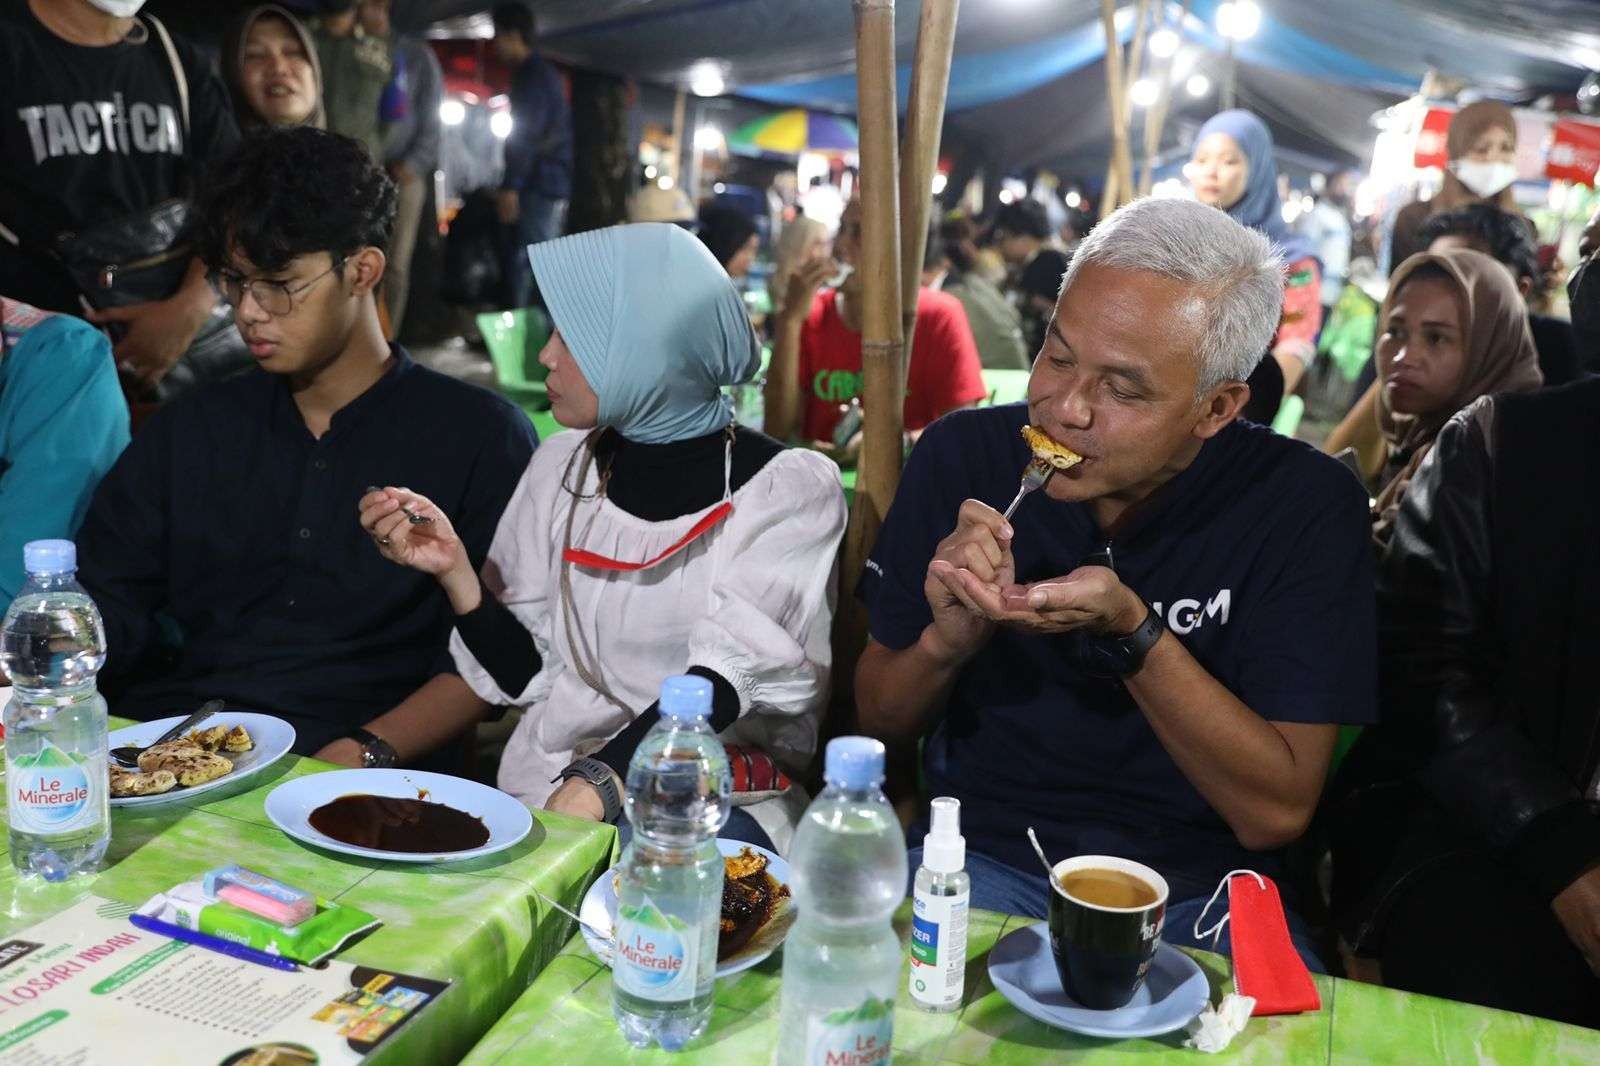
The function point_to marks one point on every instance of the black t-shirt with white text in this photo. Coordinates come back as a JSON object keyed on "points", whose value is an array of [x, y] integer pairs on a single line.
{"points": [[1257, 556], [92, 134]]}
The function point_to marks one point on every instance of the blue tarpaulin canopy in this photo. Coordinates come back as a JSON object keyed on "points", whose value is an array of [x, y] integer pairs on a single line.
{"points": [[1027, 83]]}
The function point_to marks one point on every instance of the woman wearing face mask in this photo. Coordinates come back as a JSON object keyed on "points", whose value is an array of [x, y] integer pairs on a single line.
{"points": [[1232, 169], [270, 62], [1482, 146], [1454, 328], [657, 539]]}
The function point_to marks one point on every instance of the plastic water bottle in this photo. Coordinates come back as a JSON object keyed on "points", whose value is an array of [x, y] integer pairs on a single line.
{"points": [[841, 960], [52, 644], [669, 894], [940, 901]]}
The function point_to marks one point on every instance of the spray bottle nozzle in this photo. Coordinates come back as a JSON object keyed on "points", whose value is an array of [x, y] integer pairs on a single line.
{"points": [[944, 849]]}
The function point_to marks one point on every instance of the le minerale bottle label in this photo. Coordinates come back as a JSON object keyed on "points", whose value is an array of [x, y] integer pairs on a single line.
{"points": [[52, 791], [859, 1037], [655, 957]]}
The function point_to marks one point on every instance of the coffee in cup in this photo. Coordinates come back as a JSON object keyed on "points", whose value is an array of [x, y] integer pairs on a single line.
{"points": [[1106, 915]]}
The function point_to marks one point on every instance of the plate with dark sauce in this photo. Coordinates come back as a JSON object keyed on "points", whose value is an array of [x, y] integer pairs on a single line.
{"points": [[398, 815]]}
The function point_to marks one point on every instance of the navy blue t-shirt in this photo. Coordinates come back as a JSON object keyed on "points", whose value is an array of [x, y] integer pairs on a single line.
{"points": [[1258, 556]]}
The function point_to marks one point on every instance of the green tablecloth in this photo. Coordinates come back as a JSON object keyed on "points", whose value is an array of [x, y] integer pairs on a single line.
{"points": [[477, 923], [566, 1018]]}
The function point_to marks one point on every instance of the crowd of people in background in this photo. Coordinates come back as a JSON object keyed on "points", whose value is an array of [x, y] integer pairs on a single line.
{"points": [[1154, 657]]}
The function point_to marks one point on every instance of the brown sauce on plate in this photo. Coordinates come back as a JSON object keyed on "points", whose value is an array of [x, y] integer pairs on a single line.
{"points": [[388, 823]]}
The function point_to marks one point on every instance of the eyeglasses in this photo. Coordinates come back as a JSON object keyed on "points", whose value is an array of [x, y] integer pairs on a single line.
{"points": [[276, 298]]}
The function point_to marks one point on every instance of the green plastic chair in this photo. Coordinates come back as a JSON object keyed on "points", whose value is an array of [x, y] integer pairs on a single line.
{"points": [[1005, 386], [514, 339]]}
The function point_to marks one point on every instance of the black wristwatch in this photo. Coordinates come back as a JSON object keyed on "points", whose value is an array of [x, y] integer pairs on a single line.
{"points": [[600, 776], [376, 753], [1115, 656]]}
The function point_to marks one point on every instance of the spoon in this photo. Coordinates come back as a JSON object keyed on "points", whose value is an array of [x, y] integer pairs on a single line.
{"points": [[129, 756], [1050, 871]]}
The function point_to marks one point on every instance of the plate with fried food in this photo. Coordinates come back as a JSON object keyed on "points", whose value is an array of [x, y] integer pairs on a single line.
{"points": [[229, 746], [757, 909]]}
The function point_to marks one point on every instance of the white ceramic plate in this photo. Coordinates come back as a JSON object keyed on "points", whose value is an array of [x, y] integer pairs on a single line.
{"points": [[599, 912], [273, 736], [291, 803]]}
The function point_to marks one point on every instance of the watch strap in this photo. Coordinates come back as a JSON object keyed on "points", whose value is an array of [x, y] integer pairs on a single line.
{"points": [[1137, 645], [376, 752], [602, 778]]}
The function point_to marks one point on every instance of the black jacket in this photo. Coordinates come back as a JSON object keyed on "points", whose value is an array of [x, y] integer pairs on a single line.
{"points": [[1489, 644]]}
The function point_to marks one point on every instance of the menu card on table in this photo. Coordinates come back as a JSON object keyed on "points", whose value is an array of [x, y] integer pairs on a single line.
{"points": [[86, 986]]}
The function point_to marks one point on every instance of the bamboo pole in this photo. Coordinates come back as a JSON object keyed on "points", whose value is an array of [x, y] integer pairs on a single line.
{"points": [[882, 354], [677, 136], [1110, 199], [882, 340], [1135, 54], [919, 148], [1155, 122]]}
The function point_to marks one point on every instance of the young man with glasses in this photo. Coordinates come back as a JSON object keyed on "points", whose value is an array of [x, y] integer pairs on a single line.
{"points": [[224, 549]]}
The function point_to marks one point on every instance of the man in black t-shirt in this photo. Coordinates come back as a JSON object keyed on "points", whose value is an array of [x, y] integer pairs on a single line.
{"points": [[1151, 659], [92, 130], [1021, 234]]}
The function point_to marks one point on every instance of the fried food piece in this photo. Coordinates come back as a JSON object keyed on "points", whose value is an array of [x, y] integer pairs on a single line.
{"points": [[745, 864], [238, 739], [750, 895], [192, 764], [132, 783], [209, 739], [1047, 449], [152, 758], [198, 769]]}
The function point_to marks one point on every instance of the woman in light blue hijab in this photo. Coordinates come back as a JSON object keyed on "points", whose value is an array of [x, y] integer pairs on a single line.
{"points": [[653, 326], [656, 538]]}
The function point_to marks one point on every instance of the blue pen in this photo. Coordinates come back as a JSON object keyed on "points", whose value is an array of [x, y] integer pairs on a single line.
{"points": [[212, 943]]}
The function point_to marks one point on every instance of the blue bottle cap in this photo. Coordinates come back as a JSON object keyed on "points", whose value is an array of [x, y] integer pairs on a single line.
{"points": [[686, 696], [854, 762], [49, 557]]}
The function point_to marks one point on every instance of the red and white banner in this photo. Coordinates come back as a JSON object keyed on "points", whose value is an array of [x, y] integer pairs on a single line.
{"points": [[1574, 153]]}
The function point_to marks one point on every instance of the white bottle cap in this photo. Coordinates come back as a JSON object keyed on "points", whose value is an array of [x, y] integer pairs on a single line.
{"points": [[944, 849]]}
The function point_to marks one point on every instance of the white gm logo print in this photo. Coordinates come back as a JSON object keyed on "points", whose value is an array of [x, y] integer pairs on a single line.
{"points": [[1186, 616]]}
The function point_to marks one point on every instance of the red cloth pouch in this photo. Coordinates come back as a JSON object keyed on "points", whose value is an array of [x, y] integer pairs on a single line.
{"points": [[1266, 966]]}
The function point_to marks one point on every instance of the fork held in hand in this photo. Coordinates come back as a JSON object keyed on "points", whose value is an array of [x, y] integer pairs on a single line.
{"points": [[1035, 475], [411, 516]]}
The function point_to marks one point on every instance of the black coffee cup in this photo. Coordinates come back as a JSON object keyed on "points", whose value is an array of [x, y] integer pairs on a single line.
{"points": [[1103, 951]]}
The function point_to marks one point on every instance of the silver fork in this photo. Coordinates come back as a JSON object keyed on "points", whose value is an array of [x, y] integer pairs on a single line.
{"points": [[1034, 476], [411, 516]]}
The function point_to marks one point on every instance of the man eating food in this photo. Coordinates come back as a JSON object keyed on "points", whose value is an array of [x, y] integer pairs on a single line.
{"points": [[1151, 658]]}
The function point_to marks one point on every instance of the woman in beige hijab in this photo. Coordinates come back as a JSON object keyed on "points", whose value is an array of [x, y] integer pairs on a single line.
{"points": [[1454, 329], [802, 241]]}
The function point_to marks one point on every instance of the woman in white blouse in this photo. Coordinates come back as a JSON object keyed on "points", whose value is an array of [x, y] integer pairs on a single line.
{"points": [[657, 539]]}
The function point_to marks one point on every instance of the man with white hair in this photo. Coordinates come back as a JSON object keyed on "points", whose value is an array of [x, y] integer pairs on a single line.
{"points": [[1152, 657]]}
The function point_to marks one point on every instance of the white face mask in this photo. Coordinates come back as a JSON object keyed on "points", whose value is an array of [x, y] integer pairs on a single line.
{"points": [[122, 9], [1484, 179]]}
